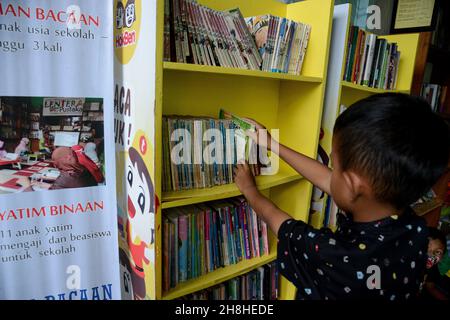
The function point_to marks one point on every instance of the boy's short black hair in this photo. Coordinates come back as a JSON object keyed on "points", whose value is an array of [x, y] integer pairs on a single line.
{"points": [[396, 142]]}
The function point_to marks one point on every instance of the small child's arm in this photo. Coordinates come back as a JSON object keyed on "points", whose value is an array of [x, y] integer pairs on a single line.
{"points": [[266, 209], [312, 170]]}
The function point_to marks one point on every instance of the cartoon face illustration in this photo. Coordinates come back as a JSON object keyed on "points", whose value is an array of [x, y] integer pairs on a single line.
{"points": [[130, 13], [120, 14], [140, 198]]}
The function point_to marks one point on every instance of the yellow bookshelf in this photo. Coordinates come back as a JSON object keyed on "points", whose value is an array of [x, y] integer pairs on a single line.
{"points": [[290, 103], [223, 274], [186, 197], [339, 92], [237, 72]]}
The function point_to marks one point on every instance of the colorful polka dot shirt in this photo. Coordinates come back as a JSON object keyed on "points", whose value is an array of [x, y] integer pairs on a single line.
{"points": [[383, 259]]}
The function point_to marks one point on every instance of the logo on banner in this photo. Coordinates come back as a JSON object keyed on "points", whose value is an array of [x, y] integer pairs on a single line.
{"points": [[126, 28]]}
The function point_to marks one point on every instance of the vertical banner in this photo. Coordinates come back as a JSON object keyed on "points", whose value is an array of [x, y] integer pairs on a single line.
{"points": [[58, 219], [134, 128]]}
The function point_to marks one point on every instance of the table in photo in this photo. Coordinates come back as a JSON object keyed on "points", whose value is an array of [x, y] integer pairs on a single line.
{"points": [[42, 176], [7, 162]]}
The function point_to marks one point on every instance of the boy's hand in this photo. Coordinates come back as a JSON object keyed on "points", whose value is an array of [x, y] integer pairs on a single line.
{"points": [[257, 136], [243, 178]]}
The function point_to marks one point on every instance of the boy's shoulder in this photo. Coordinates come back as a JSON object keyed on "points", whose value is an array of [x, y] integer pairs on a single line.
{"points": [[396, 246]]}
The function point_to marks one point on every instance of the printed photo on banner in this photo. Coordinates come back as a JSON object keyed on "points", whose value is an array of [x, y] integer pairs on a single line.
{"points": [[49, 143]]}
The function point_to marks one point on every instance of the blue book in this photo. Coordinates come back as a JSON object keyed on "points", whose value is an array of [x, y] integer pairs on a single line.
{"points": [[278, 43], [237, 234], [294, 26], [183, 232]]}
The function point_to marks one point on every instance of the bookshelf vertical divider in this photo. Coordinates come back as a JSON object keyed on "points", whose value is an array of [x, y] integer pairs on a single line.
{"points": [[292, 104]]}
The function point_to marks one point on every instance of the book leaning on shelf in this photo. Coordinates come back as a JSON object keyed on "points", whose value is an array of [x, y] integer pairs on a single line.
{"points": [[259, 284], [196, 34], [200, 152], [199, 239], [371, 61], [281, 42]]}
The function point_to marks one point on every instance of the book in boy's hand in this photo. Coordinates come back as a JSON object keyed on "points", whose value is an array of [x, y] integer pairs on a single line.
{"points": [[246, 148]]}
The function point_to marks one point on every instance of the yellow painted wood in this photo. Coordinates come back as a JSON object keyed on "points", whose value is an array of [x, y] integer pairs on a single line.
{"points": [[292, 104], [186, 197], [316, 13], [238, 72], [223, 274], [369, 89]]}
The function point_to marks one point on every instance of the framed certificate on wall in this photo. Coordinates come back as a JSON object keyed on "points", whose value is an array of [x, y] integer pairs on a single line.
{"points": [[414, 16]]}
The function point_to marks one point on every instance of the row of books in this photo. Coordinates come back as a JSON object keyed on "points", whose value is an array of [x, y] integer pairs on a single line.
{"points": [[194, 33], [259, 284], [197, 34], [200, 152], [281, 42], [435, 95], [371, 61], [199, 239]]}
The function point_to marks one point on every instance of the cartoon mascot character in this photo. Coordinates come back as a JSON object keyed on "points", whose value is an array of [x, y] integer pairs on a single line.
{"points": [[141, 204]]}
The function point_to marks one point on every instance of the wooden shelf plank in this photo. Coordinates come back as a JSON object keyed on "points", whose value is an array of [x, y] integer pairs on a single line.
{"points": [[220, 275], [186, 197], [185, 67], [369, 89]]}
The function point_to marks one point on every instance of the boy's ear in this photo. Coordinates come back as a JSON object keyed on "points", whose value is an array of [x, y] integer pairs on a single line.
{"points": [[356, 184]]}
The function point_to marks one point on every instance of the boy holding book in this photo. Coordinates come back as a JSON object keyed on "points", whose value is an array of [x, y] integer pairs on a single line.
{"points": [[388, 150]]}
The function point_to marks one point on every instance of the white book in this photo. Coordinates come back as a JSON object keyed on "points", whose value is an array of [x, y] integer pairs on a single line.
{"points": [[362, 63], [369, 60]]}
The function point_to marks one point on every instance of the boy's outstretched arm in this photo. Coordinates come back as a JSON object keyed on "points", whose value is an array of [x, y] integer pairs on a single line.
{"points": [[265, 208], [311, 169]]}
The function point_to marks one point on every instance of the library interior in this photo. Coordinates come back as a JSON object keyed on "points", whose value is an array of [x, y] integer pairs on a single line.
{"points": [[281, 150]]}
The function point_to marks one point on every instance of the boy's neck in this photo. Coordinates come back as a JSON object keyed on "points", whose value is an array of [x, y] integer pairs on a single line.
{"points": [[368, 211]]}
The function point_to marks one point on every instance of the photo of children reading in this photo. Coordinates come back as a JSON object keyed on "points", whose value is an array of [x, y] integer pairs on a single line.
{"points": [[49, 143]]}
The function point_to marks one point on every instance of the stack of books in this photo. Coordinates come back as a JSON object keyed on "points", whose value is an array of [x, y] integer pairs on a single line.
{"points": [[200, 152], [281, 42], [197, 34], [371, 61], [435, 95], [259, 284], [199, 239]]}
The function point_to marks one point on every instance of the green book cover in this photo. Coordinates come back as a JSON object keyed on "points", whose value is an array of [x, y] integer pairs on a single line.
{"points": [[243, 143]]}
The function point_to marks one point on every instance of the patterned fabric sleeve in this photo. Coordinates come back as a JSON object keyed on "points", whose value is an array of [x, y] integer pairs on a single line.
{"points": [[298, 246]]}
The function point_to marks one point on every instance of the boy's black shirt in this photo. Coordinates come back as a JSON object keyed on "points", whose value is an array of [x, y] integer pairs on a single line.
{"points": [[327, 265]]}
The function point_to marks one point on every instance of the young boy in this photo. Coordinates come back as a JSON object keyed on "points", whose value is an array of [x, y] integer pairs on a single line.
{"points": [[388, 150]]}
